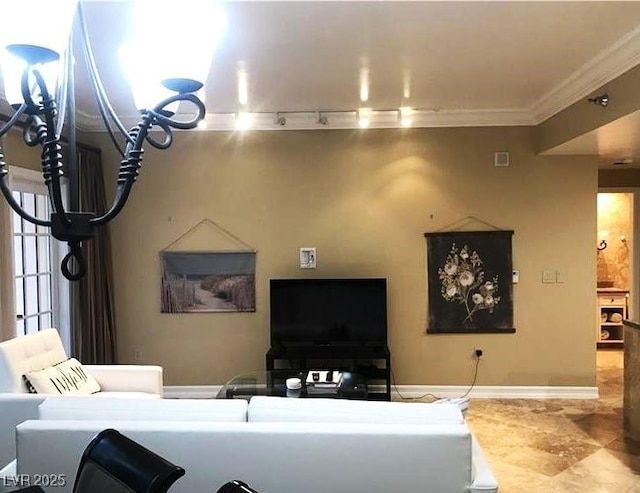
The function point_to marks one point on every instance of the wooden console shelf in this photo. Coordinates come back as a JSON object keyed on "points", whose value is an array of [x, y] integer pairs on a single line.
{"points": [[372, 362], [612, 310]]}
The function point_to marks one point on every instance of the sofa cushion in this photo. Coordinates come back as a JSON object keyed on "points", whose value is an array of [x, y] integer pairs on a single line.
{"points": [[82, 408], [29, 353], [273, 457], [268, 408], [67, 377]]}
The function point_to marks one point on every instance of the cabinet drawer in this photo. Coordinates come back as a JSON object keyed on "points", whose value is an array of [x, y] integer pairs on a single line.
{"points": [[612, 300]]}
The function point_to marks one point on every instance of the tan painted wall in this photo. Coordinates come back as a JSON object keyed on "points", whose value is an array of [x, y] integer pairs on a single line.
{"points": [[364, 200]]}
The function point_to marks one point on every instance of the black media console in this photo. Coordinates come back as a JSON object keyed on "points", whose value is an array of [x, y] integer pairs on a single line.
{"points": [[372, 362]]}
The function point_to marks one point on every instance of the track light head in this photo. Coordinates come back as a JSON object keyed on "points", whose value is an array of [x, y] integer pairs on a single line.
{"points": [[602, 100], [322, 119], [280, 120]]}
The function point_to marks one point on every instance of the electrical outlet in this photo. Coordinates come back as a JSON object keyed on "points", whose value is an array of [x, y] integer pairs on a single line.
{"points": [[478, 353]]}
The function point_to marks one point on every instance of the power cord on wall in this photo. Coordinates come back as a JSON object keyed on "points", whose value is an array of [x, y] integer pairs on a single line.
{"points": [[433, 396]]}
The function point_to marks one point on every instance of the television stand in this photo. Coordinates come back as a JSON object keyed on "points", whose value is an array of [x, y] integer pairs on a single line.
{"points": [[372, 362]]}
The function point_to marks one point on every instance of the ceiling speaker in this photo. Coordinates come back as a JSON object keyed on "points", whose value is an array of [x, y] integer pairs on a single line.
{"points": [[501, 158]]}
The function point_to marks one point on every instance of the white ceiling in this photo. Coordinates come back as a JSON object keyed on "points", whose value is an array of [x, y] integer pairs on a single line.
{"points": [[463, 63]]}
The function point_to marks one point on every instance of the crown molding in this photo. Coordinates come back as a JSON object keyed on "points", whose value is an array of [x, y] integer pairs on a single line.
{"points": [[617, 59]]}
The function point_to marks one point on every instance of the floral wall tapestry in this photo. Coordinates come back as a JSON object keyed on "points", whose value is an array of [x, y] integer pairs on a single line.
{"points": [[470, 284]]}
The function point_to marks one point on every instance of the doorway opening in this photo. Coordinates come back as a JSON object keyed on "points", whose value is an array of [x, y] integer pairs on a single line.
{"points": [[616, 258]]}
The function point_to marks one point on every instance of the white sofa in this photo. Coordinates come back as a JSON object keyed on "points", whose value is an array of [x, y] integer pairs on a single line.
{"points": [[287, 446], [44, 349]]}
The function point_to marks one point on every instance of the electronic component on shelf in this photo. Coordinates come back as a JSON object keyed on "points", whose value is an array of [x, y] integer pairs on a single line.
{"points": [[323, 378]]}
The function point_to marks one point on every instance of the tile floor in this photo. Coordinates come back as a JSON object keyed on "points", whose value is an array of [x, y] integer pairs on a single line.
{"points": [[548, 446]]}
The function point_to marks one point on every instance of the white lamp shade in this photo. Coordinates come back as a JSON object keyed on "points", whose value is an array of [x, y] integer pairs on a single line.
{"points": [[147, 90], [12, 70], [38, 23], [197, 26]]}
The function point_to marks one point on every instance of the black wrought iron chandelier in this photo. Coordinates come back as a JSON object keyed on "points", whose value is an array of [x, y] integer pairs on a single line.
{"points": [[37, 65]]}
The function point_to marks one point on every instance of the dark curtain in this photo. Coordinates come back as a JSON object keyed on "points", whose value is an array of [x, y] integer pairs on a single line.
{"points": [[92, 306]]}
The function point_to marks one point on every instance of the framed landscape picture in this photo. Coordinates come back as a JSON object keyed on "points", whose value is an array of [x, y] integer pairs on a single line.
{"points": [[195, 282], [470, 287]]}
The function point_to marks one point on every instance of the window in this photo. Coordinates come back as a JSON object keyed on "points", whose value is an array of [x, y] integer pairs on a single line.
{"points": [[41, 293]]}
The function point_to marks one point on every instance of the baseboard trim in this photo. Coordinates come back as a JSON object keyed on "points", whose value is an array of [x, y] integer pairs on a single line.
{"points": [[191, 391], [496, 392], [413, 391]]}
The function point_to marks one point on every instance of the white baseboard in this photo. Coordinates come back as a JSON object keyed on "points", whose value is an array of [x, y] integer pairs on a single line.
{"points": [[413, 391], [497, 392]]}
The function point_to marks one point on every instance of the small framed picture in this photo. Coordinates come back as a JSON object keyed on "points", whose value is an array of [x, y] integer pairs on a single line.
{"points": [[308, 258]]}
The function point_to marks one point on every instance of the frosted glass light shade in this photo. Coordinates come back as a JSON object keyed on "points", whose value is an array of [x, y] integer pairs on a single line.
{"points": [[12, 69], [186, 54], [147, 90], [36, 30]]}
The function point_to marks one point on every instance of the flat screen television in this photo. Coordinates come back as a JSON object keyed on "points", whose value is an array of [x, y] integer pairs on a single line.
{"points": [[328, 312]]}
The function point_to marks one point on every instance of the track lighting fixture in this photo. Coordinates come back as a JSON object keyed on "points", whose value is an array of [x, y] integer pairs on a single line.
{"points": [[404, 115], [322, 119], [280, 120], [363, 118], [602, 100]]}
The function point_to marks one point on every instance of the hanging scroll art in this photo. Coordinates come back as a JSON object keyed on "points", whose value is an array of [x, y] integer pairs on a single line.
{"points": [[470, 282], [208, 281]]}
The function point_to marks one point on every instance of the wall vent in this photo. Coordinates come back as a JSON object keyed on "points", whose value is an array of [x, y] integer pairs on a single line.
{"points": [[501, 158]]}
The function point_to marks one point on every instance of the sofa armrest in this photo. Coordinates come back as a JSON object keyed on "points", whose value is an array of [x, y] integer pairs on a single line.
{"points": [[483, 479], [9, 477], [15, 408], [128, 378]]}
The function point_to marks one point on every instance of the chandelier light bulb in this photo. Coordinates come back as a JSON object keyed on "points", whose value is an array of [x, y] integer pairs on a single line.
{"points": [[194, 23]]}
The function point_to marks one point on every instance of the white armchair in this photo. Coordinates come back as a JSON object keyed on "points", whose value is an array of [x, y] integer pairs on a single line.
{"points": [[42, 350]]}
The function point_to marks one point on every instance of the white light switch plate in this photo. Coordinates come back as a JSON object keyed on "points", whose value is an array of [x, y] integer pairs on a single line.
{"points": [[548, 276], [516, 276], [308, 258]]}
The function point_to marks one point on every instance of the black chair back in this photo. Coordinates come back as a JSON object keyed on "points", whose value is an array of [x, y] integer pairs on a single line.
{"points": [[113, 463]]}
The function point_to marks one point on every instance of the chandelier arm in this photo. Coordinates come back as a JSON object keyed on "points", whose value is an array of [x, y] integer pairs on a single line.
{"points": [[101, 94], [8, 195], [75, 253], [160, 114], [51, 157], [12, 121], [109, 130], [34, 131], [6, 191], [26, 90], [168, 137], [129, 167]]}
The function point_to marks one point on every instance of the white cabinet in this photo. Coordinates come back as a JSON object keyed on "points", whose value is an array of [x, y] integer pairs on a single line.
{"points": [[612, 310]]}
